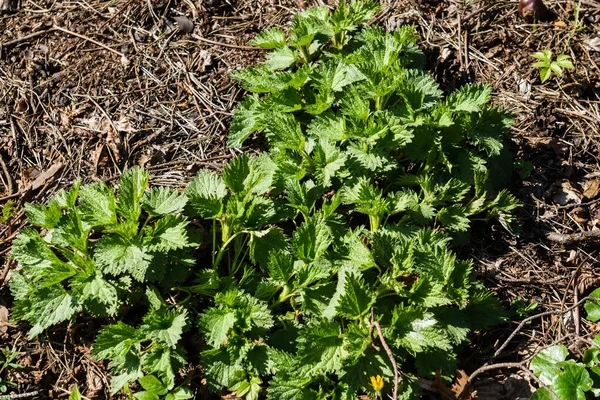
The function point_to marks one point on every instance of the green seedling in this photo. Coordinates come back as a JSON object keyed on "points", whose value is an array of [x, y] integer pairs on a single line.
{"points": [[547, 65]]}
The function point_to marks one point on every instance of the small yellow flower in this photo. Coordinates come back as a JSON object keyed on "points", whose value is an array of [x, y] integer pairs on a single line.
{"points": [[377, 382]]}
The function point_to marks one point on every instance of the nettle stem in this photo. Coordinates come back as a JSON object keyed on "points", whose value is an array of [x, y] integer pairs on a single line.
{"points": [[221, 252], [305, 53], [374, 222]]}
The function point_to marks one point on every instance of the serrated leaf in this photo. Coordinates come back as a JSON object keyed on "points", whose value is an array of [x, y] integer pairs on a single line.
{"points": [[356, 300], [247, 119], [97, 206], [206, 193], [335, 75], [469, 98], [263, 243], [545, 73], [69, 232], [131, 189], [51, 306], [42, 216], [165, 328], [75, 395], [328, 159], [328, 127], [244, 174], [99, 296], [153, 385], [269, 39], [162, 201], [417, 330], [168, 233], [280, 265], [216, 324], [115, 341], [454, 218], [284, 131], [115, 255], [262, 80], [311, 239], [290, 389], [322, 347], [281, 58]]}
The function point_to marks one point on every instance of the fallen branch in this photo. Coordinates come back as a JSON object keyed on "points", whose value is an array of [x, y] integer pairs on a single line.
{"points": [[388, 351], [570, 238]]}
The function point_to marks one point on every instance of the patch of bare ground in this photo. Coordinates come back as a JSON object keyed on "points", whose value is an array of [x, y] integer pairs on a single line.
{"points": [[90, 88]]}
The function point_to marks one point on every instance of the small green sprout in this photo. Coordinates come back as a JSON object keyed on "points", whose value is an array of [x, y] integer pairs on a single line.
{"points": [[547, 65]]}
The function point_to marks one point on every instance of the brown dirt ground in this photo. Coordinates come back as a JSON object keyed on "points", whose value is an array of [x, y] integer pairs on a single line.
{"points": [[93, 87]]}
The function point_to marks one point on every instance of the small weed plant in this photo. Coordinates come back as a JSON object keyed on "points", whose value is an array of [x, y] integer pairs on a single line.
{"points": [[547, 65], [565, 377], [347, 219], [8, 359]]}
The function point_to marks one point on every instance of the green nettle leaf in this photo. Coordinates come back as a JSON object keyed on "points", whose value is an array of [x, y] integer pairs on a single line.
{"points": [[69, 232], [52, 305], [262, 80], [357, 299], [454, 218], [284, 132], [281, 265], [131, 189], [244, 175], [281, 58], [322, 347], [328, 159], [97, 206], [29, 249], [165, 327], [247, 119], [335, 75], [206, 193], [154, 385], [469, 98], [269, 39], [115, 255], [168, 233], [67, 198], [163, 201], [263, 243], [42, 216], [311, 239], [216, 324]]}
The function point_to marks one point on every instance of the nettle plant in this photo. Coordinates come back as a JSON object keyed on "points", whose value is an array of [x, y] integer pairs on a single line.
{"points": [[98, 254], [347, 221]]}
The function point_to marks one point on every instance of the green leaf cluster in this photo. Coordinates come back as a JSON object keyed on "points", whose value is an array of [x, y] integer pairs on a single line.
{"points": [[97, 250], [370, 175]]}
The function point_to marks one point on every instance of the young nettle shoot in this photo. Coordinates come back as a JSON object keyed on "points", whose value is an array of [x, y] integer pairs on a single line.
{"points": [[547, 65]]}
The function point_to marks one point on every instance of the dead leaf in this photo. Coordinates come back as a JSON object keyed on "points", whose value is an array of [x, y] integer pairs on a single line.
{"points": [[591, 189], [462, 386], [592, 43], [184, 23], [566, 194], [44, 177], [560, 24], [3, 319]]}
